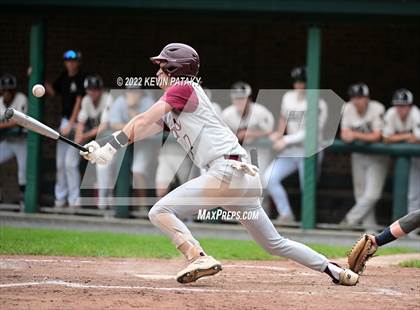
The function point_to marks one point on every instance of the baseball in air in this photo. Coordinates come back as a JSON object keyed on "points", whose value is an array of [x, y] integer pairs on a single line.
{"points": [[38, 90]]}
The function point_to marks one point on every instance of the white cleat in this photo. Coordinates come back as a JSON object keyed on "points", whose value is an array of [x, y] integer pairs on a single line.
{"points": [[202, 267], [348, 278]]}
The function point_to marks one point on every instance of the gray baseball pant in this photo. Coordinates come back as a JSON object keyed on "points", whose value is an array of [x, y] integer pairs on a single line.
{"points": [[224, 186]]}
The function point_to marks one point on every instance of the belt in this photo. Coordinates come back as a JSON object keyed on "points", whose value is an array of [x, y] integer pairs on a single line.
{"points": [[228, 157], [233, 157]]}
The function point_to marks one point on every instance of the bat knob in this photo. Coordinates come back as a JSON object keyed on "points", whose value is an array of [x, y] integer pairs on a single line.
{"points": [[8, 114]]}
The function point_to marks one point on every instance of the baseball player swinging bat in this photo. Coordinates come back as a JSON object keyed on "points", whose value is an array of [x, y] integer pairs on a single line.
{"points": [[30, 123]]}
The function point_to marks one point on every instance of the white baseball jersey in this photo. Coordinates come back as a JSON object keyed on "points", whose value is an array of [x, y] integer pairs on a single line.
{"points": [[394, 124], [257, 118], [97, 112], [217, 108], [196, 126], [19, 103], [293, 109], [369, 122]]}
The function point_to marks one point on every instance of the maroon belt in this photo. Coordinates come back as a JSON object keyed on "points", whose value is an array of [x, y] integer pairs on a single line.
{"points": [[233, 157]]}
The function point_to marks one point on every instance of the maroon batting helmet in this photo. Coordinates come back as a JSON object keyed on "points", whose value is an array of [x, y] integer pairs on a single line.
{"points": [[181, 60]]}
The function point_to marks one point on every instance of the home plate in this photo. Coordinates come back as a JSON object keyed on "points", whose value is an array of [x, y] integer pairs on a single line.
{"points": [[155, 276]]}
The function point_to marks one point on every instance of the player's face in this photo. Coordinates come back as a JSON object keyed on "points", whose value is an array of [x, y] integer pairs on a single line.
{"points": [[240, 104], [403, 110], [163, 78], [72, 66], [299, 85], [360, 103], [94, 94], [8, 96], [133, 97]]}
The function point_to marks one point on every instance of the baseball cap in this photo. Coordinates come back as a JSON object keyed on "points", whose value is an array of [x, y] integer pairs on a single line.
{"points": [[72, 55]]}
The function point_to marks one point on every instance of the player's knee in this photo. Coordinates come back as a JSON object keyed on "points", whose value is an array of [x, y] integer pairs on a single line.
{"points": [[154, 213], [60, 164], [371, 199], [71, 163]]}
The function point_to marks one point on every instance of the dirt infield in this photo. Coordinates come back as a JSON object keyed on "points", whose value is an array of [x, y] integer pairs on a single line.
{"points": [[38, 282]]}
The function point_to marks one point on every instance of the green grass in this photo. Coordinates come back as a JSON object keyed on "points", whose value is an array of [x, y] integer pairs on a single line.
{"points": [[30, 241], [413, 263]]}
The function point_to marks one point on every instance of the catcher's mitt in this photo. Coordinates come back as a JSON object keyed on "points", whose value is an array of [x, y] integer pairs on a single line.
{"points": [[360, 253]]}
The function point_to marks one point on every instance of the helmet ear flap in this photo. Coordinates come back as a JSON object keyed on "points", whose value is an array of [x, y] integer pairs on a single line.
{"points": [[169, 68]]}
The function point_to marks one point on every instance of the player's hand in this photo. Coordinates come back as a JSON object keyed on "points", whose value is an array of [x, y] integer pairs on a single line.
{"points": [[92, 146], [104, 154], [275, 136], [412, 139], [66, 130], [347, 136], [279, 145], [240, 134], [78, 138], [246, 168]]}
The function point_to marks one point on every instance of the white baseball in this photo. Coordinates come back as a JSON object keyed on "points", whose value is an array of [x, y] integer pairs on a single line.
{"points": [[38, 90]]}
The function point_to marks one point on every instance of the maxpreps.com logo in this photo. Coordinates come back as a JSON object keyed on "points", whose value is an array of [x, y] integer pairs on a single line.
{"points": [[220, 214], [154, 81]]}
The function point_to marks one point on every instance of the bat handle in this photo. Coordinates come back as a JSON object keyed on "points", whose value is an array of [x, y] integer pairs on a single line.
{"points": [[8, 114], [74, 144]]}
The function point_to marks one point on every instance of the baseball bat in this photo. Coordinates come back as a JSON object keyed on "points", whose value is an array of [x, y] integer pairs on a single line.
{"points": [[30, 123], [254, 157]]}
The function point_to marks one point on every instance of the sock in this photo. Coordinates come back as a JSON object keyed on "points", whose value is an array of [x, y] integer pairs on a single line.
{"points": [[191, 252], [333, 270], [384, 237]]}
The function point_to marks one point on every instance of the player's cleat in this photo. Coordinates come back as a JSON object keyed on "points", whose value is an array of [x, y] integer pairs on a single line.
{"points": [[347, 278], [58, 204], [202, 267]]}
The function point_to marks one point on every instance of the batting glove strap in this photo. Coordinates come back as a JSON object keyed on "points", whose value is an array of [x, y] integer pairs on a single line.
{"points": [[118, 140]]}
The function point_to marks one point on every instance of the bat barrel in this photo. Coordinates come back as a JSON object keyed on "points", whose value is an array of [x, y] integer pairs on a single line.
{"points": [[32, 124]]}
